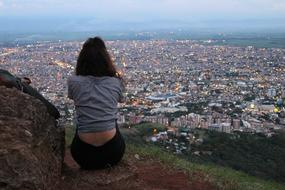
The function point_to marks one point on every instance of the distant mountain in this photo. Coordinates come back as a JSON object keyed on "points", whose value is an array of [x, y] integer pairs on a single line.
{"points": [[24, 25]]}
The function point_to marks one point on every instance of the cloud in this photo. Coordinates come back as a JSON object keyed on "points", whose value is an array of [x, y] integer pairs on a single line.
{"points": [[1, 4], [279, 6], [143, 9]]}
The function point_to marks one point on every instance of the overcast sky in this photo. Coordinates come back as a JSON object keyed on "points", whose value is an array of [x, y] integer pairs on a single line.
{"points": [[90, 15], [133, 10]]}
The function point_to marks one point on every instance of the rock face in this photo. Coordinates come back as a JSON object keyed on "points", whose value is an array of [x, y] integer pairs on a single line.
{"points": [[31, 146]]}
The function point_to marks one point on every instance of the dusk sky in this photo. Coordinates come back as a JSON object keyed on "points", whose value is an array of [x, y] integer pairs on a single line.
{"points": [[144, 9], [85, 15]]}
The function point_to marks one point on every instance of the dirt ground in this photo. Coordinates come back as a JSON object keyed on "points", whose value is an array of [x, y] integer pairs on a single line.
{"points": [[133, 173]]}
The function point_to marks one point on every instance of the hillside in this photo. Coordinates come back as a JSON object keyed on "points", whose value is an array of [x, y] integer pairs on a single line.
{"points": [[169, 170], [255, 154], [136, 171], [31, 147], [139, 169]]}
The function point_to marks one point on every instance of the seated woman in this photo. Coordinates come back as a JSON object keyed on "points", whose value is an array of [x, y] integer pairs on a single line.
{"points": [[96, 89]]}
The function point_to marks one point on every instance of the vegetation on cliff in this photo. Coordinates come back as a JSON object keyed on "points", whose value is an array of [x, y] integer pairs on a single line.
{"points": [[256, 155], [220, 177]]}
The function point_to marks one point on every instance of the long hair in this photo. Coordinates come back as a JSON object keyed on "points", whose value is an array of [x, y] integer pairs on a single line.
{"points": [[95, 60]]}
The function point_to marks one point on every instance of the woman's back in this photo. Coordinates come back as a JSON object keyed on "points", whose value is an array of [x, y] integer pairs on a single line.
{"points": [[95, 100], [96, 89]]}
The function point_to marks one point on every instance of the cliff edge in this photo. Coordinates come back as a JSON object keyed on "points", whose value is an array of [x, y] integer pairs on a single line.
{"points": [[31, 145], [32, 152]]}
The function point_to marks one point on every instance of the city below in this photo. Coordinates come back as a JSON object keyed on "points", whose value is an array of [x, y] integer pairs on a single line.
{"points": [[200, 94], [181, 84]]}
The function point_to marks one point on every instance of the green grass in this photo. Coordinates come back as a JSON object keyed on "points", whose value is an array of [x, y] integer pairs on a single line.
{"points": [[223, 178], [69, 134]]}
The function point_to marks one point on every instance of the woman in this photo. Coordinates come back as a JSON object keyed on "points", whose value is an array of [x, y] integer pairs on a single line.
{"points": [[96, 89]]}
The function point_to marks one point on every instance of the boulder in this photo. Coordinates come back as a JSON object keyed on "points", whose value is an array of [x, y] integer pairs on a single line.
{"points": [[31, 144]]}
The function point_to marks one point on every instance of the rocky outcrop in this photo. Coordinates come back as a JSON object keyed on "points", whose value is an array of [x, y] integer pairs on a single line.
{"points": [[31, 146]]}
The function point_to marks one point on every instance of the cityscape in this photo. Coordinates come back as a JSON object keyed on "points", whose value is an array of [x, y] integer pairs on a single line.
{"points": [[175, 83], [202, 105]]}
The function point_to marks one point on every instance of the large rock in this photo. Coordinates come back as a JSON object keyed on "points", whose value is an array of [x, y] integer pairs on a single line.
{"points": [[31, 146]]}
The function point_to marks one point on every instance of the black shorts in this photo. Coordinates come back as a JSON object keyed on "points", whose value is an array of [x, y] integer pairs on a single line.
{"points": [[92, 157]]}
